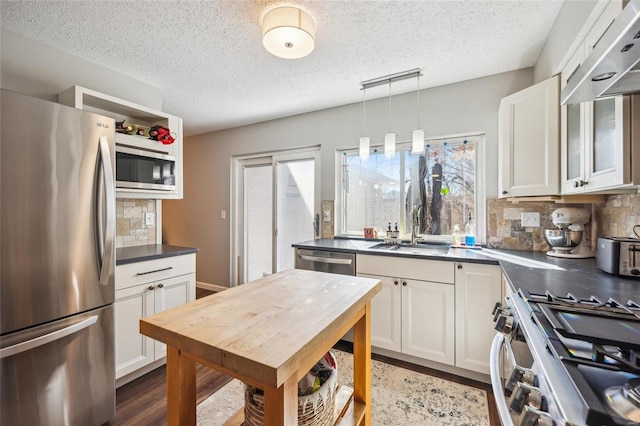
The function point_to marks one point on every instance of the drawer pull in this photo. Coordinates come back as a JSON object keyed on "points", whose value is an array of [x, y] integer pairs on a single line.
{"points": [[157, 270], [160, 285]]}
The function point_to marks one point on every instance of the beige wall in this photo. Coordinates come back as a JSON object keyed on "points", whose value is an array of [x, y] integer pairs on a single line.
{"points": [[469, 106]]}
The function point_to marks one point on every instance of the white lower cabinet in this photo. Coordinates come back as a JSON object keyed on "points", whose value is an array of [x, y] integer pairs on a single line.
{"points": [[135, 300], [410, 315], [428, 320], [478, 288], [386, 324], [448, 321]]}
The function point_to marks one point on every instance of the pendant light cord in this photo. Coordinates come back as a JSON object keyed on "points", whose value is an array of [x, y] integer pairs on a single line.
{"points": [[418, 102], [364, 111], [389, 109]]}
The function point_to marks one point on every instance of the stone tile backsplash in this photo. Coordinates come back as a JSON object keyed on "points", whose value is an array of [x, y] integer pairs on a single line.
{"points": [[505, 230], [617, 217], [130, 219], [614, 218]]}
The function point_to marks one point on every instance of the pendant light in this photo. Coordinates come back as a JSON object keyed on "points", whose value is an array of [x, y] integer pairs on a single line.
{"points": [[417, 146], [364, 140], [389, 137]]}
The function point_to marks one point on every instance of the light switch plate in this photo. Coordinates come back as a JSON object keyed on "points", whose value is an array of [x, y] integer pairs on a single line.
{"points": [[149, 218], [530, 219]]}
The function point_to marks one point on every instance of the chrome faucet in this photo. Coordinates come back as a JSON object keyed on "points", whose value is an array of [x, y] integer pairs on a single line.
{"points": [[416, 223]]}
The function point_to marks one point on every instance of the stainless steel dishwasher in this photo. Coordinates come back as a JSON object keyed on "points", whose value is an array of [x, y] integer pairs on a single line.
{"points": [[326, 261]]}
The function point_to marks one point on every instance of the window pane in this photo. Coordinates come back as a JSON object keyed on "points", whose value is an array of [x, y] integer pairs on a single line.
{"points": [[258, 200], [441, 185], [372, 193], [604, 129], [573, 141], [295, 208]]}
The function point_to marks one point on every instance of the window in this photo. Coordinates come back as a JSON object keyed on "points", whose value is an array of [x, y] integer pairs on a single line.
{"points": [[442, 185]]}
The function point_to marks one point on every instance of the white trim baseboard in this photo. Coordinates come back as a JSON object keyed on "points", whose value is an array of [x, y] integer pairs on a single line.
{"points": [[210, 287]]}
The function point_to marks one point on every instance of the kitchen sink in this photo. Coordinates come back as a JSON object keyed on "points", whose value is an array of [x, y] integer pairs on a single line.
{"points": [[432, 249]]}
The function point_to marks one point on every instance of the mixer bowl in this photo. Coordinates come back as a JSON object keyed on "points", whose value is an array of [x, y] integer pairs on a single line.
{"points": [[562, 237]]}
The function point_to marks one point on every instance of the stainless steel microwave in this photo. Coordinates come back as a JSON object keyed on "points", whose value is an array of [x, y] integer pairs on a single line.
{"points": [[142, 169]]}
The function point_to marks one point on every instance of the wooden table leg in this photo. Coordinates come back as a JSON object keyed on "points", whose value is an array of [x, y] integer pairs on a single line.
{"points": [[281, 404], [181, 389], [362, 362]]}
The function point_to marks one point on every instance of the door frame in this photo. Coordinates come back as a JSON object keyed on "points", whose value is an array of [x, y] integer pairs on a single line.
{"points": [[236, 212]]}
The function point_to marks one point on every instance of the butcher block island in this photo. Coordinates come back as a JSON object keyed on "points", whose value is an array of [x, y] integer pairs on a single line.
{"points": [[269, 333]]}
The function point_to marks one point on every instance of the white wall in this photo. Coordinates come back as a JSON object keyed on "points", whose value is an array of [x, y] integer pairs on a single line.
{"points": [[572, 24], [469, 106], [35, 69]]}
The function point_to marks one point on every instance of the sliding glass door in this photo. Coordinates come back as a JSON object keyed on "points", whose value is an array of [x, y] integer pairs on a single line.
{"points": [[278, 206], [258, 220]]}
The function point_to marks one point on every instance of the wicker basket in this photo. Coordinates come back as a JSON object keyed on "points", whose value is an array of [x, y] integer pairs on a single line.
{"points": [[316, 409]]}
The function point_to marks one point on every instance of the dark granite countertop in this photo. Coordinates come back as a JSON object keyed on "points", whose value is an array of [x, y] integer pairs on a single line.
{"points": [[126, 255], [532, 271]]}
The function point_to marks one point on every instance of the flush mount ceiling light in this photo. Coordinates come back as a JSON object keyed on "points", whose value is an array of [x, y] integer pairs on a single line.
{"points": [[288, 32]]}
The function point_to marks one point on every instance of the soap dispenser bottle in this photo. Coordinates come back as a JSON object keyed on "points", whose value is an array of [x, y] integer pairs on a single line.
{"points": [[456, 235], [469, 233]]}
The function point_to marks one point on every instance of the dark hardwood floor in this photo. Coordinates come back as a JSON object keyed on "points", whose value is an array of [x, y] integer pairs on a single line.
{"points": [[143, 401]]}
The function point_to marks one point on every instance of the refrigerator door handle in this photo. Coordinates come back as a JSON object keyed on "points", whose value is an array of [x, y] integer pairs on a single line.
{"points": [[106, 194], [47, 338]]}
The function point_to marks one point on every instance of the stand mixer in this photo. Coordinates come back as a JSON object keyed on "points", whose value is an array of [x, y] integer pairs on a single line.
{"points": [[567, 241]]}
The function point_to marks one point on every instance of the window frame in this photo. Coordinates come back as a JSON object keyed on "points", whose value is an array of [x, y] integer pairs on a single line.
{"points": [[479, 198]]}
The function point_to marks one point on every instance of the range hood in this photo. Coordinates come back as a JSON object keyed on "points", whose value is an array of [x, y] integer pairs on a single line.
{"points": [[613, 67]]}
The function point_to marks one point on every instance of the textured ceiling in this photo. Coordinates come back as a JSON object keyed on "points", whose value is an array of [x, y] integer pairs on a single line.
{"points": [[208, 59]]}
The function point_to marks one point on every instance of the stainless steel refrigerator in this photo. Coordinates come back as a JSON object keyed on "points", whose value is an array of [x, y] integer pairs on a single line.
{"points": [[57, 214]]}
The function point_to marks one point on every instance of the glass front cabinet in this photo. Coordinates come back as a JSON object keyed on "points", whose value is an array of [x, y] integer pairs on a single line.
{"points": [[595, 136]]}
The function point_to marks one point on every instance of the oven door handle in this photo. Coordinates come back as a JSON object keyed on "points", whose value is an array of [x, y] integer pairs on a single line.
{"points": [[496, 382]]}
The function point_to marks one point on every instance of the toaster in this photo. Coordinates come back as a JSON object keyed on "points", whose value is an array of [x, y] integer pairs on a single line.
{"points": [[619, 256]]}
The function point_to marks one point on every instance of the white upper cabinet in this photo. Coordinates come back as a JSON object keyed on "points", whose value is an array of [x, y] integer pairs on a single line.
{"points": [[528, 141], [138, 146], [596, 152]]}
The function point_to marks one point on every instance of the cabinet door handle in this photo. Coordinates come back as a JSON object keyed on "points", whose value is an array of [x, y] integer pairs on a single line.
{"points": [[505, 192], [156, 270], [404, 283], [395, 282], [160, 285], [459, 266], [151, 287]]}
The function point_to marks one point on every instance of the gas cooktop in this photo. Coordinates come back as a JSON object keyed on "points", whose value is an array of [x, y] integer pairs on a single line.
{"points": [[598, 344]]}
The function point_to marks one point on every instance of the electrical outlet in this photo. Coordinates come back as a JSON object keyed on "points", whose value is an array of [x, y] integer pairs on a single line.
{"points": [[223, 214], [149, 219], [530, 219]]}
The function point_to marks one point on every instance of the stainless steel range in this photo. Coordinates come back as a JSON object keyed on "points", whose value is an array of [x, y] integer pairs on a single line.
{"points": [[560, 360]]}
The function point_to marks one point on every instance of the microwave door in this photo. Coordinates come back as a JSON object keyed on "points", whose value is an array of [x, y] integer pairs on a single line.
{"points": [[140, 169]]}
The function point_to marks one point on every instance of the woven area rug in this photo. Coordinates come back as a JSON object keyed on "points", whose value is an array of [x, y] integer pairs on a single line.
{"points": [[399, 396]]}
